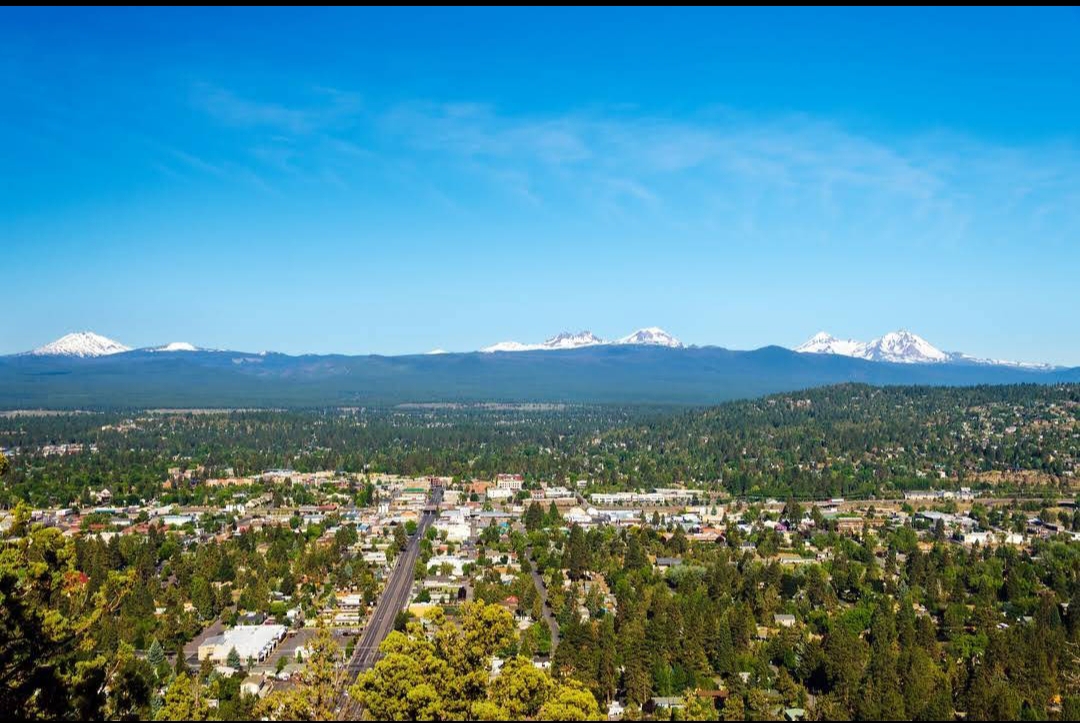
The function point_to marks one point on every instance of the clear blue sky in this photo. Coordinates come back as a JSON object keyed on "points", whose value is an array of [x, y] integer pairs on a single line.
{"points": [[385, 181]]}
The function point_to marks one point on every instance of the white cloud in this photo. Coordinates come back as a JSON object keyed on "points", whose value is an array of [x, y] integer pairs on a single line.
{"points": [[718, 170]]}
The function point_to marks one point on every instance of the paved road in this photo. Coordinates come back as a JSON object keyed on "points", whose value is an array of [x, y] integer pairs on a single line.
{"points": [[393, 599], [541, 588]]}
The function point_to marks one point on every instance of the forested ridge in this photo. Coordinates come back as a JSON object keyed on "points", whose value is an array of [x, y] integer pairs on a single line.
{"points": [[849, 440]]}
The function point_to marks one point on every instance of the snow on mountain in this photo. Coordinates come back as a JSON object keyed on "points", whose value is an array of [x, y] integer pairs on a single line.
{"points": [[565, 340], [511, 346], [901, 347], [177, 346], [651, 336], [437, 351], [81, 344], [823, 343], [961, 358]]}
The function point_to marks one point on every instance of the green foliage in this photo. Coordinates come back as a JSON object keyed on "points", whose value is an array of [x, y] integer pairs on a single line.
{"points": [[570, 701], [49, 615], [447, 678], [233, 659], [314, 696], [183, 701], [888, 624]]}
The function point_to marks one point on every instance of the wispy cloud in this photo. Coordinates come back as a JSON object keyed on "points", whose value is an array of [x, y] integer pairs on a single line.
{"points": [[714, 170], [323, 108], [935, 185]]}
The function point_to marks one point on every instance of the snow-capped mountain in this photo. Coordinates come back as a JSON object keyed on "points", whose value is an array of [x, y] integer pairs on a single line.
{"points": [[511, 346], [81, 344], [177, 346], [565, 340], [903, 347], [651, 336], [897, 347], [823, 343], [900, 347], [961, 358]]}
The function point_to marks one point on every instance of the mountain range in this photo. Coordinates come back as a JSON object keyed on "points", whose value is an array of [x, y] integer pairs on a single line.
{"points": [[649, 336], [87, 371], [901, 347]]}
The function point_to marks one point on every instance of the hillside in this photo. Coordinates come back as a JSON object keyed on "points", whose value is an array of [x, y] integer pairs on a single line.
{"points": [[597, 374]]}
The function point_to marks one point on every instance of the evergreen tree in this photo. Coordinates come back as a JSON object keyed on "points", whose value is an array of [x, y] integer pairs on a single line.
{"points": [[233, 659]]}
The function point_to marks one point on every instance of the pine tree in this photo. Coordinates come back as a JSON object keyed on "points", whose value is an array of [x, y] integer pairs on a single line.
{"points": [[534, 517], [155, 655], [577, 554], [233, 659]]}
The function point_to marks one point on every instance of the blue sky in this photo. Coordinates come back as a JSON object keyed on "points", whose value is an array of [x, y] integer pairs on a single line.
{"points": [[391, 182]]}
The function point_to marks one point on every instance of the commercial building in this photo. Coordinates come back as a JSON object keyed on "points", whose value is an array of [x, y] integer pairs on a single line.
{"points": [[252, 642]]}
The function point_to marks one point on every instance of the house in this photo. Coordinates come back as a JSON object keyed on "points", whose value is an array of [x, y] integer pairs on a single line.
{"points": [[444, 590], [255, 685], [667, 703]]}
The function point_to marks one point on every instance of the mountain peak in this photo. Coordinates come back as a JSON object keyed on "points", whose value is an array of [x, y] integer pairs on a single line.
{"points": [[177, 346], [652, 336], [563, 340], [825, 343], [904, 347], [81, 344], [901, 346], [510, 346], [569, 340]]}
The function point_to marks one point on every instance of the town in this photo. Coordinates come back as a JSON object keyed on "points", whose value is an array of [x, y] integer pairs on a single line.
{"points": [[248, 586]]}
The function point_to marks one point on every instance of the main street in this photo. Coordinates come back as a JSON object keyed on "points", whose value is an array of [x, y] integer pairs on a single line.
{"points": [[394, 597]]}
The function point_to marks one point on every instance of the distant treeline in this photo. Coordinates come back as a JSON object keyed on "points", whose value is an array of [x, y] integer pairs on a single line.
{"points": [[847, 440]]}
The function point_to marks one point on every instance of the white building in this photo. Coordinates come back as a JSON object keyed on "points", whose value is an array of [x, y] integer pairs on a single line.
{"points": [[456, 564], [577, 516], [512, 482], [252, 642], [499, 494]]}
